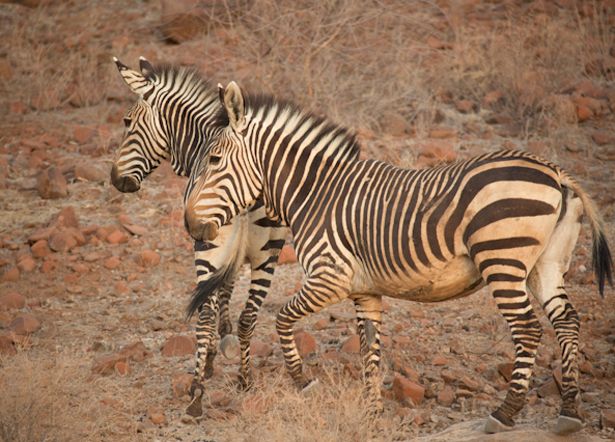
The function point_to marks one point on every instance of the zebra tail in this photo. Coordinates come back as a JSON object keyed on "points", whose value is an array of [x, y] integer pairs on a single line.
{"points": [[602, 261], [205, 289]]}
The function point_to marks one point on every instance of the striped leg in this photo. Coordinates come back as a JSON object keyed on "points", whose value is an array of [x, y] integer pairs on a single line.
{"points": [[225, 326], [206, 352], [369, 319], [315, 295], [507, 284]]}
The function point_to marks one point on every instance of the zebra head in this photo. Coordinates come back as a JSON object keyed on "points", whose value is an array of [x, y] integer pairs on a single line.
{"points": [[229, 181], [145, 143]]}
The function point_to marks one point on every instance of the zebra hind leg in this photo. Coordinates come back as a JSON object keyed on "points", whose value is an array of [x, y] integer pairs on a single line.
{"points": [[206, 352], [369, 318], [229, 345], [509, 291]]}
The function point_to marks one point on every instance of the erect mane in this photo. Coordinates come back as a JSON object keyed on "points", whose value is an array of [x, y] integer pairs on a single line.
{"points": [[188, 78]]}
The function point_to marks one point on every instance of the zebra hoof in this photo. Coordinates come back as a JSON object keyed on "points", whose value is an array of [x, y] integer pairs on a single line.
{"points": [[310, 386], [195, 408], [495, 426], [229, 346], [567, 425]]}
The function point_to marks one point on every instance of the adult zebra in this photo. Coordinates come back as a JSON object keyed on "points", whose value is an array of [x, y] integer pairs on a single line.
{"points": [[364, 229], [176, 113]]}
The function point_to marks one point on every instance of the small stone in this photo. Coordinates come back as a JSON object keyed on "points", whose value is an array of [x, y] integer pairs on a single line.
{"points": [[306, 344], [219, 398], [7, 347], [439, 361], [11, 275], [112, 263], [137, 351], [40, 249], [25, 324], [149, 258], [607, 418], [469, 383], [492, 97], [549, 388], [260, 348], [352, 344], [26, 264], [12, 300], [322, 324], [506, 370], [584, 113], [446, 396], [406, 390], [465, 106], [603, 137], [48, 266], [84, 134], [67, 217], [62, 241], [122, 368], [91, 172], [287, 255], [178, 345], [117, 237], [156, 415], [51, 184], [180, 384]]}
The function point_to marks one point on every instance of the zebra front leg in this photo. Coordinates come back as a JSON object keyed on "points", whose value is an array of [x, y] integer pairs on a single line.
{"points": [[526, 331], [206, 352], [369, 319], [315, 294]]}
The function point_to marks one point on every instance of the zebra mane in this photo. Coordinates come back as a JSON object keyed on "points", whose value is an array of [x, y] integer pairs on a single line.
{"points": [[266, 103], [190, 77]]}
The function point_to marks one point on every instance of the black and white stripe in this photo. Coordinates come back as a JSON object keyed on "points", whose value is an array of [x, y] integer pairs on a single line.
{"points": [[364, 229], [176, 113]]}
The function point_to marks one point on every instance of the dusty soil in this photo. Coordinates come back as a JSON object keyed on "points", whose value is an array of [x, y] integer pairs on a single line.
{"points": [[120, 271]]}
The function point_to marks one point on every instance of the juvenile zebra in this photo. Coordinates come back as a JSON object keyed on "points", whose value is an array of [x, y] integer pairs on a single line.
{"points": [[174, 116], [364, 229]]}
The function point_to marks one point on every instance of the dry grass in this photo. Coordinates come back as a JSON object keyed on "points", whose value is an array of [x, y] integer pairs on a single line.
{"points": [[44, 399]]}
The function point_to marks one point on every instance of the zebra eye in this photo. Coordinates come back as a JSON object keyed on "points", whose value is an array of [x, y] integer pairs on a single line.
{"points": [[214, 159], [127, 122]]}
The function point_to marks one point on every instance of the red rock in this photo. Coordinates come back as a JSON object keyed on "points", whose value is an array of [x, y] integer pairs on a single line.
{"points": [[442, 132], [402, 340], [7, 346], [117, 237], [549, 388], [67, 217], [48, 266], [79, 267], [602, 137], [588, 88], [322, 324], [40, 249], [112, 262], [470, 384], [62, 241], [149, 258], [180, 384], [306, 344], [12, 300], [607, 418], [156, 415], [178, 345], [439, 361], [91, 172], [219, 398], [40, 234], [26, 264], [18, 107], [352, 344], [84, 134], [406, 390], [122, 368], [465, 106], [51, 184], [446, 396], [25, 324], [182, 20], [135, 229], [287, 255], [10, 275], [584, 113], [137, 351], [260, 348]]}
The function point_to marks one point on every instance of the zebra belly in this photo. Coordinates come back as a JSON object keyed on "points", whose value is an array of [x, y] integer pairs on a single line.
{"points": [[459, 277]]}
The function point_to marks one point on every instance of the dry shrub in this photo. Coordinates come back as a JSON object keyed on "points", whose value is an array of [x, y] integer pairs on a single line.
{"points": [[44, 399], [334, 410]]}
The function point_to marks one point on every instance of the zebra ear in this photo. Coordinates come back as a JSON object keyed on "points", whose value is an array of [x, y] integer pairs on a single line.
{"points": [[221, 93], [146, 69], [137, 83], [235, 107]]}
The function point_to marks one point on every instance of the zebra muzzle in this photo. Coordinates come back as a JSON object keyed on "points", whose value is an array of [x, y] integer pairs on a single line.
{"points": [[125, 184]]}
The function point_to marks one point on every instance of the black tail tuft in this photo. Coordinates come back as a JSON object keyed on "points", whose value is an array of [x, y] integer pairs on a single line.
{"points": [[205, 289], [602, 262]]}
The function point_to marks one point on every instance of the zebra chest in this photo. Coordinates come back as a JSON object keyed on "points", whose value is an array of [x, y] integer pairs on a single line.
{"points": [[458, 277]]}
